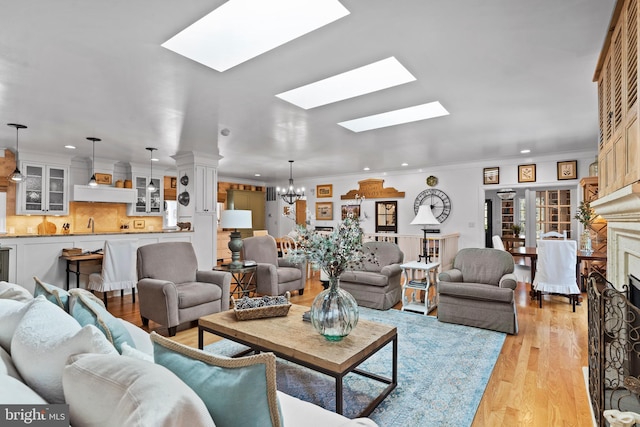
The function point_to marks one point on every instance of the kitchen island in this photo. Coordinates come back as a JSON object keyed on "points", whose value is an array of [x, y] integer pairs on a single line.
{"points": [[39, 255]]}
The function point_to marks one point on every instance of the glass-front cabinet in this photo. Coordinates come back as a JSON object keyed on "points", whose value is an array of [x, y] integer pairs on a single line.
{"points": [[43, 190], [147, 202]]}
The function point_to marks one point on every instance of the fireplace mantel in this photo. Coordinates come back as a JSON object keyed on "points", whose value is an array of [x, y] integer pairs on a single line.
{"points": [[621, 209]]}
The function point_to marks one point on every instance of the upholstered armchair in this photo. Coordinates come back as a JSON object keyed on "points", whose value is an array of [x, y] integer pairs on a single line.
{"points": [[172, 290], [377, 283], [274, 275], [479, 290]]}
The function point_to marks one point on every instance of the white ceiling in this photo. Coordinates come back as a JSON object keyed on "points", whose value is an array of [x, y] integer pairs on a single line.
{"points": [[514, 74]]}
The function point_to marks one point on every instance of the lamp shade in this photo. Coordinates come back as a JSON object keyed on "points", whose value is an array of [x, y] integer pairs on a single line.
{"points": [[506, 194], [425, 216], [236, 219]]}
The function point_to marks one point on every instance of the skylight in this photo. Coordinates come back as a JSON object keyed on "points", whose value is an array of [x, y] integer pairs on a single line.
{"points": [[243, 29], [396, 117], [360, 81]]}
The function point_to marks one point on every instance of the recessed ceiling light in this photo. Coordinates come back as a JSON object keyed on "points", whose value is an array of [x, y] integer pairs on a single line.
{"points": [[396, 117], [366, 169], [360, 81], [405, 164], [153, 159], [525, 151], [70, 147], [243, 29], [257, 174]]}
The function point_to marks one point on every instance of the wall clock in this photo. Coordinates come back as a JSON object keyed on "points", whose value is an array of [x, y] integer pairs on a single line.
{"points": [[438, 201]]}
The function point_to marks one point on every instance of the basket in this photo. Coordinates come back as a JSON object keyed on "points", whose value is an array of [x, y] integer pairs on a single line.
{"points": [[71, 251], [261, 312]]}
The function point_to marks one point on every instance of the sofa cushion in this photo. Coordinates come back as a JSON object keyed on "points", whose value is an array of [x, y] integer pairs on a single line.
{"points": [[15, 392], [477, 291], [14, 292], [7, 367], [288, 274], [237, 392], [56, 295], [112, 390], [44, 339], [11, 313], [140, 337], [191, 294], [88, 312], [365, 278], [129, 351]]}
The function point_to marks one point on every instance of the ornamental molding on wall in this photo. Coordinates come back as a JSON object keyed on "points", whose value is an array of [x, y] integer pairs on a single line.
{"points": [[372, 189]]}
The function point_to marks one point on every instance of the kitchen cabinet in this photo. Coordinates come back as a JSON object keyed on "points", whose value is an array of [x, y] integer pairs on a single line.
{"points": [[206, 190], [148, 203], [43, 190]]}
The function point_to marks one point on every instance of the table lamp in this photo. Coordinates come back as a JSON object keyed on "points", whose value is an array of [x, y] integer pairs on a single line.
{"points": [[235, 219], [424, 217]]}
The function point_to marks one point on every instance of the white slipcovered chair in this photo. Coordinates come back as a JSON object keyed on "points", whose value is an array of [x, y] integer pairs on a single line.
{"points": [[556, 269], [118, 269]]}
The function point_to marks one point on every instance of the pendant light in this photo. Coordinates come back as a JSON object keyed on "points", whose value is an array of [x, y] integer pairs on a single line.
{"points": [[92, 181], [290, 194], [16, 176], [151, 187]]}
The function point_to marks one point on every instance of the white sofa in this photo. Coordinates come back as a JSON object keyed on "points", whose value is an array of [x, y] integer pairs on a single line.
{"points": [[46, 357]]}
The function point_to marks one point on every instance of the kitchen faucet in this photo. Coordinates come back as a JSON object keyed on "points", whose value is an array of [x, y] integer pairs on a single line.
{"points": [[91, 224]]}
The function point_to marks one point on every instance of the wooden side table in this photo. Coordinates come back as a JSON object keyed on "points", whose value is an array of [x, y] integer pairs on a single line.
{"points": [[242, 283], [416, 285]]}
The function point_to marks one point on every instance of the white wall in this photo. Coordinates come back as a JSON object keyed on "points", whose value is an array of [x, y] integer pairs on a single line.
{"points": [[463, 183]]}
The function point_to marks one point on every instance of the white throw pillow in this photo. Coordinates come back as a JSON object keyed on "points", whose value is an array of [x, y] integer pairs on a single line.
{"points": [[296, 412], [7, 367], [14, 291], [11, 313], [140, 337], [129, 351], [43, 341], [113, 390]]}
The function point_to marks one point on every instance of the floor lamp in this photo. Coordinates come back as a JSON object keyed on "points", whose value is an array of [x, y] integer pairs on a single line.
{"points": [[424, 217], [235, 219]]}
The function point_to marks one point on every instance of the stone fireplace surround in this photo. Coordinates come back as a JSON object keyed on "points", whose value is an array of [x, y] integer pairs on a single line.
{"points": [[621, 209]]}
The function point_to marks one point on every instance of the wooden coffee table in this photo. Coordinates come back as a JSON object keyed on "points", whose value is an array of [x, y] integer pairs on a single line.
{"points": [[290, 338]]}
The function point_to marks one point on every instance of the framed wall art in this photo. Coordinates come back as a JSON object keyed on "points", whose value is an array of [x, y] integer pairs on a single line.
{"points": [[491, 175], [323, 191], [173, 182], [347, 209], [103, 178], [568, 170], [527, 173], [324, 211]]}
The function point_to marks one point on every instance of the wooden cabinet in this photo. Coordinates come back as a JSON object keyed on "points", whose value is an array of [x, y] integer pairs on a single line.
{"points": [[507, 216], [617, 78], [148, 203], [553, 211], [249, 200], [206, 190], [599, 226], [43, 190]]}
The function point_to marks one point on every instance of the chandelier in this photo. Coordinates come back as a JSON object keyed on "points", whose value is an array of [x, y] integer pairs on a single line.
{"points": [[290, 194]]}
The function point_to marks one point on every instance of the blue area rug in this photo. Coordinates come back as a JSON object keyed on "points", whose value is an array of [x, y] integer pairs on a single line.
{"points": [[443, 370]]}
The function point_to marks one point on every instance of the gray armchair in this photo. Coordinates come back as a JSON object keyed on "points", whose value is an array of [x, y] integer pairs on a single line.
{"points": [[275, 276], [479, 290], [172, 290], [376, 284]]}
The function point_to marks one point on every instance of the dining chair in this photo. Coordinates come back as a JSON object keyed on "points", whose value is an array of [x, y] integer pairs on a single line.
{"points": [[260, 232], [287, 245], [522, 272], [554, 235], [556, 270], [118, 269]]}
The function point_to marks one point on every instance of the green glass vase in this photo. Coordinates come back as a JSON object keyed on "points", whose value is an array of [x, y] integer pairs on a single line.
{"points": [[334, 312]]}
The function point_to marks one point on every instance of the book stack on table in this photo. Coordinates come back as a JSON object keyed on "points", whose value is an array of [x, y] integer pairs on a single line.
{"points": [[418, 284]]}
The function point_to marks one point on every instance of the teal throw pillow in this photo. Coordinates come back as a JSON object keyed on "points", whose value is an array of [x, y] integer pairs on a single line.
{"points": [[56, 295], [237, 391], [88, 312]]}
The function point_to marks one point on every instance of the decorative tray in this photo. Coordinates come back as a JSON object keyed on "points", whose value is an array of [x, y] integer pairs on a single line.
{"points": [[262, 307]]}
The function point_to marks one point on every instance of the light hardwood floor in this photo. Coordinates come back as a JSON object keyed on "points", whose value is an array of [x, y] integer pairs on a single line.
{"points": [[537, 380]]}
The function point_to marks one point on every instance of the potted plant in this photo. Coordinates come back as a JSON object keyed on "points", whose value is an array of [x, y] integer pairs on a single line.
{"points": [[334, 312], [586, 216], [517, 229]]}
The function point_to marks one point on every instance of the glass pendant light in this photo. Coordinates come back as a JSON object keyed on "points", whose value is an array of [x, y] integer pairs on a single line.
{"points": [[92, 181], [151, 187], [16, 176]]}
